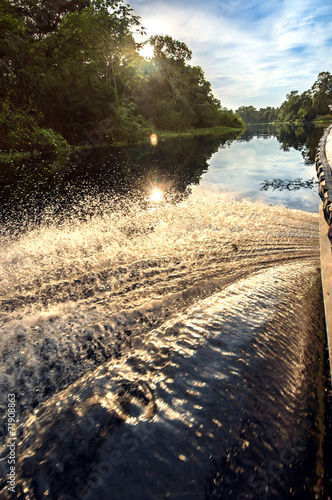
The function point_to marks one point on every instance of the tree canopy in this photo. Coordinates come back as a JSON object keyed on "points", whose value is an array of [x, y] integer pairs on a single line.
{"points": [[68, 66], [250, 114], [313, 104]]}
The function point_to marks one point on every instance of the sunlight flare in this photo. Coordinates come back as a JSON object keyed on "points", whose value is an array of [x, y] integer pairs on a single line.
{"points": [[154, 140], [147, 51], [156, 196]]}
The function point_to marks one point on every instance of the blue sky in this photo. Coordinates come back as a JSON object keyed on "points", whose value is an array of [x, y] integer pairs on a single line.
{"points": [[252, 52]]}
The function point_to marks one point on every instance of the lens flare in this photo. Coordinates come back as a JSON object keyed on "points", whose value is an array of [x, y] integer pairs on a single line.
{"points": [[156, 195], [154, 140]]}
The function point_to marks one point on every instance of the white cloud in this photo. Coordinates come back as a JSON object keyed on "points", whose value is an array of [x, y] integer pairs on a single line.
{"points": [[249, 61]]}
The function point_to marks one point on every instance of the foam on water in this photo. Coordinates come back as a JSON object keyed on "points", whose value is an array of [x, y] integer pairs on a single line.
{"points": [[146, 331]]}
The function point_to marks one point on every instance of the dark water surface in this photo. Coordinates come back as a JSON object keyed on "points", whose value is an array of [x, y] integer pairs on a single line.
{"points": [[171, 348]]}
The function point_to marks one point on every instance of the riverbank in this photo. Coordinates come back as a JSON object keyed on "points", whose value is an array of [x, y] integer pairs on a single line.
{"points": [[201, 131], [320, 121], [14, 156]]}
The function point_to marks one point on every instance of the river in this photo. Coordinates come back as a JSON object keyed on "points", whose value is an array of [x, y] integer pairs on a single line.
{"points": [[162, 326]]}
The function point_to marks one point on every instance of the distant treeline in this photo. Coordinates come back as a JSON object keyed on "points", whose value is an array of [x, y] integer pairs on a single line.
{"points": [[71, 72], [314, 104]]}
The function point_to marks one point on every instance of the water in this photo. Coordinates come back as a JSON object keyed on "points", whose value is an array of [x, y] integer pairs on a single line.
{"points": [[40, 191], [160, 350], [243, 168]]}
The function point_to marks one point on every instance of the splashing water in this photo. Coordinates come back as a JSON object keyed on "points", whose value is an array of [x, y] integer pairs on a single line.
{"points": [[162, 352]]}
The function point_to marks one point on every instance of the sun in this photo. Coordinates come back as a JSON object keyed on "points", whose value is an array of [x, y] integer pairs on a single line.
{"points": [[147, 51], [156, 196]]}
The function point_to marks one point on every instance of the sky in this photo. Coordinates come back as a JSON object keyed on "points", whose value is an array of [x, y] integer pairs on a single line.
{"points": [[253, 52]]}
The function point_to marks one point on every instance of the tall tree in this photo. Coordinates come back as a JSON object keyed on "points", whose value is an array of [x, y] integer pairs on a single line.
{"points": [[68, 65], [322, 93]]}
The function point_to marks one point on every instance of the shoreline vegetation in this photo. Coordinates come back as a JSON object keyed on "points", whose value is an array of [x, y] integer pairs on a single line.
{"points": [[312, 106], [14, 156], [72, 77]]}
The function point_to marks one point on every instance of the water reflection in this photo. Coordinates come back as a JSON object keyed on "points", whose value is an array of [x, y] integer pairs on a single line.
{"points": [[258, 131], [48, 188], [51, 188], [287, 184], [303, 138], [136, 340], [268, 156]]}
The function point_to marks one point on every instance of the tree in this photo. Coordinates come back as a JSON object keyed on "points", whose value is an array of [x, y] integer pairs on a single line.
{"points": [[248, 114], [81, 66], [43, 16], [322, 93], [165, 47], [306, 111], [176, 96]]}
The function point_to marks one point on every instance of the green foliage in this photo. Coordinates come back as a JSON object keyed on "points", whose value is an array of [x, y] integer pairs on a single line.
{"points": [[21, 130], [310, 104], [176, 96], [165, 47], [127, 127], [67, 66], [250, 114], [325, 119], [314, 104], [322, 94]]}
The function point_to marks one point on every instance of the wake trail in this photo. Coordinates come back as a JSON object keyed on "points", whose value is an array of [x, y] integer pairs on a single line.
{"points": [[133, 333]]}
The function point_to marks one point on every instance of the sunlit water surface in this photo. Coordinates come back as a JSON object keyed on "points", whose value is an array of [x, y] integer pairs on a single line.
{"points": [[165, 351]]}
